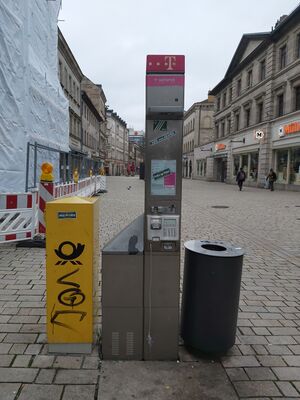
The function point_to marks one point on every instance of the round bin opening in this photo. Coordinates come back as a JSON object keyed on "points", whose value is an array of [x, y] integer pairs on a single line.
{"points": [[213, 247]]}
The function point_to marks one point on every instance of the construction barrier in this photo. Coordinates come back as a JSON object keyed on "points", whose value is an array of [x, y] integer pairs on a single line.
{"points": [[21, 217], [18, 216]]}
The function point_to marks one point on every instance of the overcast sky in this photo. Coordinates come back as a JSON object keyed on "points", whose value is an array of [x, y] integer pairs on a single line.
{"points": [[111, 38]]}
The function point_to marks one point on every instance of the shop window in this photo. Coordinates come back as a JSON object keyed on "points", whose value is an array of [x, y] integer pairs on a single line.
{"points": [[245, 164], [297, 98], [280, 105], [253, 166], [282, 57], [295, 166], [263, 70], [282, 159], [236, 164]]}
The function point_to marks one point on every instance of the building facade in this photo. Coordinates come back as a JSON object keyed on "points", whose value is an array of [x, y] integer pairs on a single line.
{"points": [[70, 76], [117, 148], [98, 99], [257, 108], [204, 134]]}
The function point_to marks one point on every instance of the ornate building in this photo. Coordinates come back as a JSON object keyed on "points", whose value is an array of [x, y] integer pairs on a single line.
{"points": [[257, 108]]}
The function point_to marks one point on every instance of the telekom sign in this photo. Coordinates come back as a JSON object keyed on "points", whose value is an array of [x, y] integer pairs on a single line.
{"points": [[165, 64]]}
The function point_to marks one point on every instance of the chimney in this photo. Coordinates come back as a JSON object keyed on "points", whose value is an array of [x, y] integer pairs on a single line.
{"points": [[210, 98]]}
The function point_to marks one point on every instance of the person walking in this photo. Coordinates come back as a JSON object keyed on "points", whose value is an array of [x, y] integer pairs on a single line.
{"points": [[272, 177], [240, 178]]}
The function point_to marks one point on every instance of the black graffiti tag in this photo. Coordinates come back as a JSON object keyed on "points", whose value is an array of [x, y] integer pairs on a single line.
{"points": [[73, 296], [56, 314], [76, 252]]}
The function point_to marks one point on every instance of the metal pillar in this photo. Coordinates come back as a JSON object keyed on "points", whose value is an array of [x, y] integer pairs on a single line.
{"points": [[163, 177]]}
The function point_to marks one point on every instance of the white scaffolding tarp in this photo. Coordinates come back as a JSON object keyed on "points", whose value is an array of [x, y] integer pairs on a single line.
{"points": [[33, 107]]}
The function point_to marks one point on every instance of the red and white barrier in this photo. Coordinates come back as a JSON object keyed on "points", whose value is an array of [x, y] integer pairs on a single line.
{"points": [[22, 215], [46, 193], [17, 216]]}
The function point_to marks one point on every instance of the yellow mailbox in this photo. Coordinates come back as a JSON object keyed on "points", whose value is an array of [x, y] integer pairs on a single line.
{"points": [[72, 267]]}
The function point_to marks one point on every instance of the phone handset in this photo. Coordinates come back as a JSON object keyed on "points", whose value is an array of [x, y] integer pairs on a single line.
{"points": [[163, 227]]}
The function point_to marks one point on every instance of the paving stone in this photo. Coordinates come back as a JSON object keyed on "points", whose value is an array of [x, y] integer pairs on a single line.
{"points": [[20, 338], [22, 319], [260, 349], [278, 350], [236, 374], [21, 361], [240, 361], [18, 348], [294, 348], [246, 349], [271, 361], [287, 373], [281, 340], [43, 361], [41, 392], [79, 392], [8, 391], [18, 374], [5, 347], [260, 374], [287, 389], [285, 331], [68, 362], [46, 376], [33, 349], [6, 360], [91, 362], [253, 339], [297, 385], [256, 388], [292, 361], [82, 377]]}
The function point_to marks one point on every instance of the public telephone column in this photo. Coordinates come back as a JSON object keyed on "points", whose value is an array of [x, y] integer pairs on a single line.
{"points": [[163, 176]]}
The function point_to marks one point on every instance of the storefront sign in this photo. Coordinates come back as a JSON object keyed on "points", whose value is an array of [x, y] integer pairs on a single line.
{"points": [[259, 134], [220, 146], [294, 127]]}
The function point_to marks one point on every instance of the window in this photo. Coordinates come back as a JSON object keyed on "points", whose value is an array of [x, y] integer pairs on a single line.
{"points": [[237, 121], [297, 98], [218, 103], [230, 94], [253, 167], [228, 125], [247, 117], [217, 130], [282, 159], [282, 56], [249, 78], [239, 87], [298, 46], [260, 110], [74, 92], [295, 166], [224, 99], [70, 84], [60, 72], [280, 105], [263, 70], [223, 128], [236, 164]]}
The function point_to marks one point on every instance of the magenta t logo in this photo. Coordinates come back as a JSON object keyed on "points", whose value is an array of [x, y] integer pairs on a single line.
{"points": [[170, 61]]}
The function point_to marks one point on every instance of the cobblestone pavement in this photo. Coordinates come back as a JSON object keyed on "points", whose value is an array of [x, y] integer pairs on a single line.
{"points": [[264, 363]]}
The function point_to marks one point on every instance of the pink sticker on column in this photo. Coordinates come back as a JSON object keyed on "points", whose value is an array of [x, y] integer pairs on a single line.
{"points": [[165, 63], [164, 80], [170, 180]]}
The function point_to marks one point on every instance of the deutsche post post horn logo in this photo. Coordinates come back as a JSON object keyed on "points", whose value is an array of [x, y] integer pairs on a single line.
{"points": [[76, 252]]}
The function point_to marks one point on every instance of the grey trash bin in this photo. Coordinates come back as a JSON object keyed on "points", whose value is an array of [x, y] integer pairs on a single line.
{"points": [[210, 298]]}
